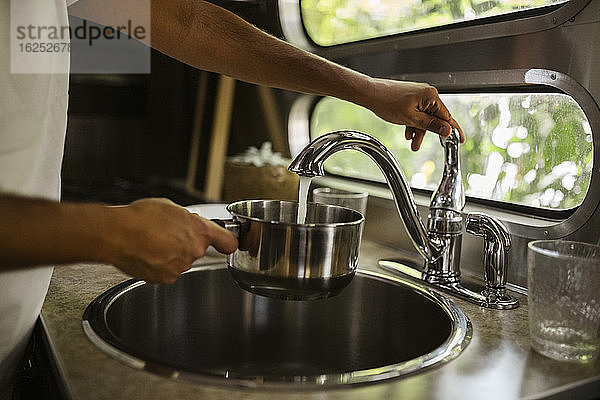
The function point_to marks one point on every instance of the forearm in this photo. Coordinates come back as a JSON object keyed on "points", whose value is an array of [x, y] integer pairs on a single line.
{"points": [[36, 232], [217, 40], [152, 239], [213, 39]]}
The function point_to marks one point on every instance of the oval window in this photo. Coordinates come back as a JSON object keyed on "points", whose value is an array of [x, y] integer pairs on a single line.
{"points": [[532, 149], [331, 22]]}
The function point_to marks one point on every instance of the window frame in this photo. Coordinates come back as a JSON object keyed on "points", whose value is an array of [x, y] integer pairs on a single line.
{"points": [[558, 223], [510, 24]]}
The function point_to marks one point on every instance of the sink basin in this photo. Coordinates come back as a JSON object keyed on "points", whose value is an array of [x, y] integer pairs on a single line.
{"points": [[205, 328]]}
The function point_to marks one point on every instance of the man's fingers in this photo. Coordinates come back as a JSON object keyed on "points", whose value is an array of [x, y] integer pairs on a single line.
{"points": [[434, 116], [417, 139], [440, 110], [457, 126], [184, 267], [436, 125], [433, 124], [222, 240]]}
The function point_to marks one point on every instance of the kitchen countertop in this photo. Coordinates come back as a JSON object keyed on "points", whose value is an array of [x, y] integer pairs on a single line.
{"points": [[497, 364]]}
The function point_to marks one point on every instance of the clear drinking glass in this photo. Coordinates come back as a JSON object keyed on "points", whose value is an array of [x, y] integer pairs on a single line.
{"points": [[564, 299], [336, 197]]}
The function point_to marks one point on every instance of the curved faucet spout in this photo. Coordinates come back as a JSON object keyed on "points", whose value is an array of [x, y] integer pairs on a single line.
{"points": [[439, 244], [310, 163]]}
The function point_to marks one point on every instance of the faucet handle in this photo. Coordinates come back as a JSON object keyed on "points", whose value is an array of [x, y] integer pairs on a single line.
{"points": [[450, 193], [453, 138], [496, 243]]}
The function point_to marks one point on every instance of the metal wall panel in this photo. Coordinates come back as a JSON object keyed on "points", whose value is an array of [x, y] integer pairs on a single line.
{"points": [[559, 50]]}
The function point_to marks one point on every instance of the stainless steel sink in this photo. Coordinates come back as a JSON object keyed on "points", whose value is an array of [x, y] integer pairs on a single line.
{"points": [[205, 328]]}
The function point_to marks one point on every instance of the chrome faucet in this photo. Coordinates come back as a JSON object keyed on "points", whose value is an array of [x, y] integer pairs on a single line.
{"points": [[445, 221], [440, 243]]}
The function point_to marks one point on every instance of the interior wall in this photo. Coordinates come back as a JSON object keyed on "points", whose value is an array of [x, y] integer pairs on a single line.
{"points": [[131, 126], [139, 127]]}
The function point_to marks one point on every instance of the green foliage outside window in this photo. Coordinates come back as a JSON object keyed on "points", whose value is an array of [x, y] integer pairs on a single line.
{"points": [[330, 22], [532, 149]]}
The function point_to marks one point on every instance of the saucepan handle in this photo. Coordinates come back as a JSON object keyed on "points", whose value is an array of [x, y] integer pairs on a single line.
{"points": [[231, 225]]}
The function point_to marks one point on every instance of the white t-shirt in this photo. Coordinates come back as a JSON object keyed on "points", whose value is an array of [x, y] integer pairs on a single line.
{"points": [[33, 117]]}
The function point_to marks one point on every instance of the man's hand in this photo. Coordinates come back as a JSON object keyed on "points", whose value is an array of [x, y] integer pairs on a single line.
{"points": [[157, 240], [151, 239], [416, 105]]}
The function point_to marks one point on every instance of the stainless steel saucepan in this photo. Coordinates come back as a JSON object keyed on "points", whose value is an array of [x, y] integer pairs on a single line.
{"points": [[278, 257]]}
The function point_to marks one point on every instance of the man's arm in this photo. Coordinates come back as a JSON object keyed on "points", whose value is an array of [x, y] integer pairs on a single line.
{"points": [[152, 239], [211, 38]]}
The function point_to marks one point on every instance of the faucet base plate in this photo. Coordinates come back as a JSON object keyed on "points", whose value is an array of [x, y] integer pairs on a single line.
{"points": [[488, 298]]}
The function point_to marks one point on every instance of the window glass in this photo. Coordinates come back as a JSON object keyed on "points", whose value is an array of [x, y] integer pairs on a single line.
{"points": [[530, 149], [330, 22]]}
